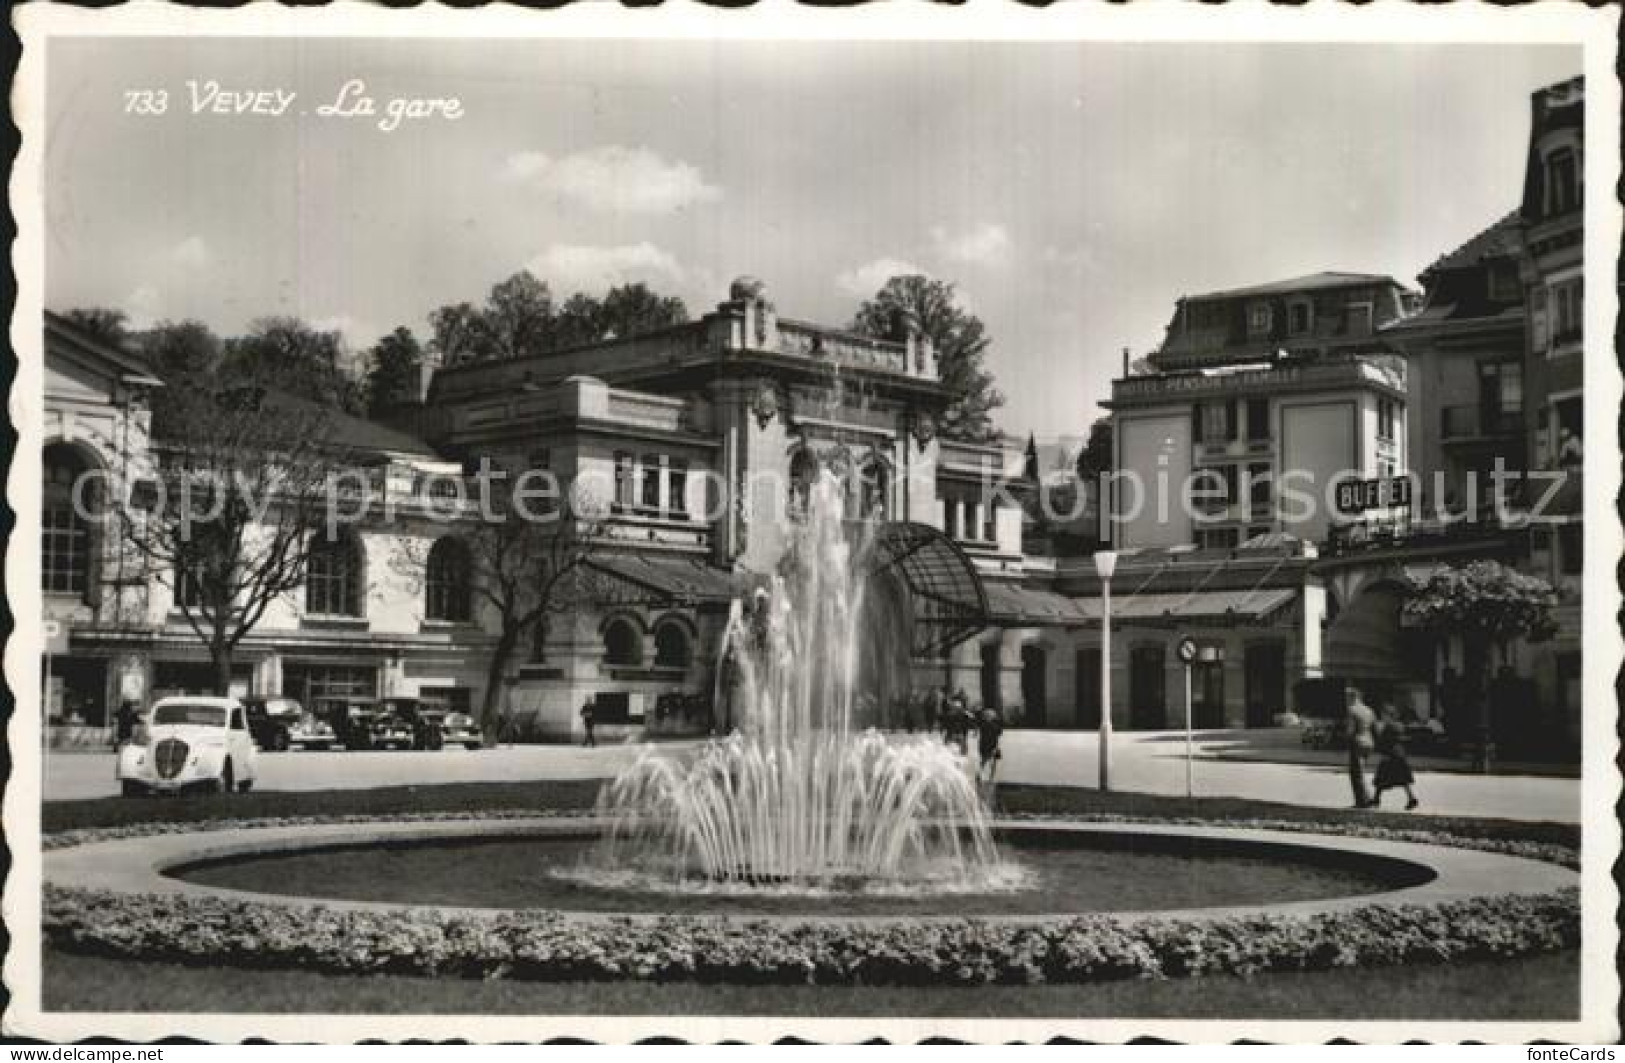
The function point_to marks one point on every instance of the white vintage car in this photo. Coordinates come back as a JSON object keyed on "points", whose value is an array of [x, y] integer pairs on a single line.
{"points": [[189, 742]]}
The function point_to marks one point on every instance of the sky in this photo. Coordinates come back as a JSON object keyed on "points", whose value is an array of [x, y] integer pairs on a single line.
{"points": [[1071, 191]]}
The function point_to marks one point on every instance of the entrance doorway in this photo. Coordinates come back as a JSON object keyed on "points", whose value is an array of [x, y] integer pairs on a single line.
{"points": [[1148, 703], [1087, 689], [1266, 683], [1034, 693], [1207, 691], [990, 676]]}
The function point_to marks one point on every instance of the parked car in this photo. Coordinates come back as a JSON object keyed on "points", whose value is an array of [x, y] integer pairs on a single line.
{"points": [[424, 716], [461, 728], [282, 723], [189, 742], [365, 723]]}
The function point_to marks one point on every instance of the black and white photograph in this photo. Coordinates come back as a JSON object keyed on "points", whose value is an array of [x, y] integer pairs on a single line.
{"points": [[990, 523]]}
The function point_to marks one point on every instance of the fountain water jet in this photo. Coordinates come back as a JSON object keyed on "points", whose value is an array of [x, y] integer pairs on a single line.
{"points": [[799, 794]]}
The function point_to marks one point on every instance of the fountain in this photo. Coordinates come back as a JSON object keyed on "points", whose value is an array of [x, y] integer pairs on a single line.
{"points": [[799, 795]]}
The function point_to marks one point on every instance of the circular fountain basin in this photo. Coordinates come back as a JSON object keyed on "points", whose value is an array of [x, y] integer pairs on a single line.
{"points": [[1130, 871]]}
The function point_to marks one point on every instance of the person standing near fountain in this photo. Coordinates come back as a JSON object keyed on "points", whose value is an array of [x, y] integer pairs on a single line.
{"points": [[989, 729], [589, 714]]}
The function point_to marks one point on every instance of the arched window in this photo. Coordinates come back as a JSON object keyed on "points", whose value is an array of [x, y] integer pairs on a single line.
{"points": [[65, 540], [623, 643], [873, 490], [447, 581], [672, 649], [803, 472], [333, 576]]}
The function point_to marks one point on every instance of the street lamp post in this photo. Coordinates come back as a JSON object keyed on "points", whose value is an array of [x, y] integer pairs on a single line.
{"points": [[1105, 564]]}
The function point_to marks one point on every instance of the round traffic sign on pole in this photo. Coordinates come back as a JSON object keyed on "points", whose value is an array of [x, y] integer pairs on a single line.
{"points": [[1187, 649]]}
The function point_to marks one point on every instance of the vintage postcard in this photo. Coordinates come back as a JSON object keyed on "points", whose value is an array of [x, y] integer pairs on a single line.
{"points": [[990, 523]]}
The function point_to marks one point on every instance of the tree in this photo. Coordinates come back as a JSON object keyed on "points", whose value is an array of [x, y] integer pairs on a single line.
{"points": [[112, 327], [304, 361], [526, 563], [961, 341], [519, 317], [580, 321], [393, 366], [1095, 459], [457, 333], [241, 477], [179, 351], [1487, 604], [633, 309]]}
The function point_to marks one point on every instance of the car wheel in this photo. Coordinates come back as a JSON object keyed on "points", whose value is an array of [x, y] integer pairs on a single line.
{"points": [[132, 789], [472, 745], [320, 747], [436, 740], [227, 779], [245, 786]]}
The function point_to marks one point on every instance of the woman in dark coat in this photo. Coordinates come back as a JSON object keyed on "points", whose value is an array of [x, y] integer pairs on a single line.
{"points": [[1394, 769]]}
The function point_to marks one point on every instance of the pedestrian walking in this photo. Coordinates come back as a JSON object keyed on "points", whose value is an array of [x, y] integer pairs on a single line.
{"points": [[126, 719], [589, 714], [989, 730], [1394, 765], [1359, 725]]}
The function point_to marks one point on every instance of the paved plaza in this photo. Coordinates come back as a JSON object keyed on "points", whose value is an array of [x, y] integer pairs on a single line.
{"points": [[1143, 762]]}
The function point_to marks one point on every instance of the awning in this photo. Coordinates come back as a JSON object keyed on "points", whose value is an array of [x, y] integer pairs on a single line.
{"points": [[1010, 605], [1364, 641], [948, 602], [675, 581], [1218, 606]]}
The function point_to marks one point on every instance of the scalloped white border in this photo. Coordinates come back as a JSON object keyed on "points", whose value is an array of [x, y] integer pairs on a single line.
{"points": [[1384, 20]]}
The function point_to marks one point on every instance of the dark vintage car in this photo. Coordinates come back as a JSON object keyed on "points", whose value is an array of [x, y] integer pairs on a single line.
{"points": [[365, 723], [282, 723]]}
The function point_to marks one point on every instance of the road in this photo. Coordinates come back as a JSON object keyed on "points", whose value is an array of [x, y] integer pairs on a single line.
{"points": [[1144, 762]]}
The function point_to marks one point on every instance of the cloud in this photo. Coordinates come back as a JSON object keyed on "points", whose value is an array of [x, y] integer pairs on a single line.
{"points": [[190, 253], [144, 306], [985, 244], [585, 268], [864, 281], [1081, 257], [613, 179]]}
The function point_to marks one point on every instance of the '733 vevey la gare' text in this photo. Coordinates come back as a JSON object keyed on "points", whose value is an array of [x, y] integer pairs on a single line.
{"points": [[210, 97]]}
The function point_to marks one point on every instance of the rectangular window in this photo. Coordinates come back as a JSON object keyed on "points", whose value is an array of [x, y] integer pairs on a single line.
{"points": [[1571, 545], [1259, 320], [677, 487], [624, 480], [990, 523], [1568, 312], [1259, 488], [1214, 421], [65, 551], [1300, 318], [1258, 420], [651, 473]]}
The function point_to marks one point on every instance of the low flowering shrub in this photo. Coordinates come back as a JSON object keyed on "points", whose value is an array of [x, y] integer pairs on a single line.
{"points": [[549, 946]]}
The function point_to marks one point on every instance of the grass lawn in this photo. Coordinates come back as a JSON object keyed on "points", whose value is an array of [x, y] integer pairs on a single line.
{"points": [[1541, 988]]}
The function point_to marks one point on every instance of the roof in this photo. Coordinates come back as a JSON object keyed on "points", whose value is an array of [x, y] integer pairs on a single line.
{"points": [[1308, 282], [64, 330], [1503, 239], [948, 596], [1013, 605], [668, 580]]}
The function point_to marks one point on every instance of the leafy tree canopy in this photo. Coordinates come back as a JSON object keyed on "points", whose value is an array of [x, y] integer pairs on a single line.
{"points": [[1484, 600], [961, 341], [304, 361], [393, 365], [520, 317]]}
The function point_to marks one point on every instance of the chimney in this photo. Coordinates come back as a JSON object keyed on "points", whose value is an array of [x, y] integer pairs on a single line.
{"points": [[1125, 361]]}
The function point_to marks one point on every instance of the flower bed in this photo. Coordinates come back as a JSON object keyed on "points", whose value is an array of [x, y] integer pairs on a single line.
{"points": [[541, 945]]}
